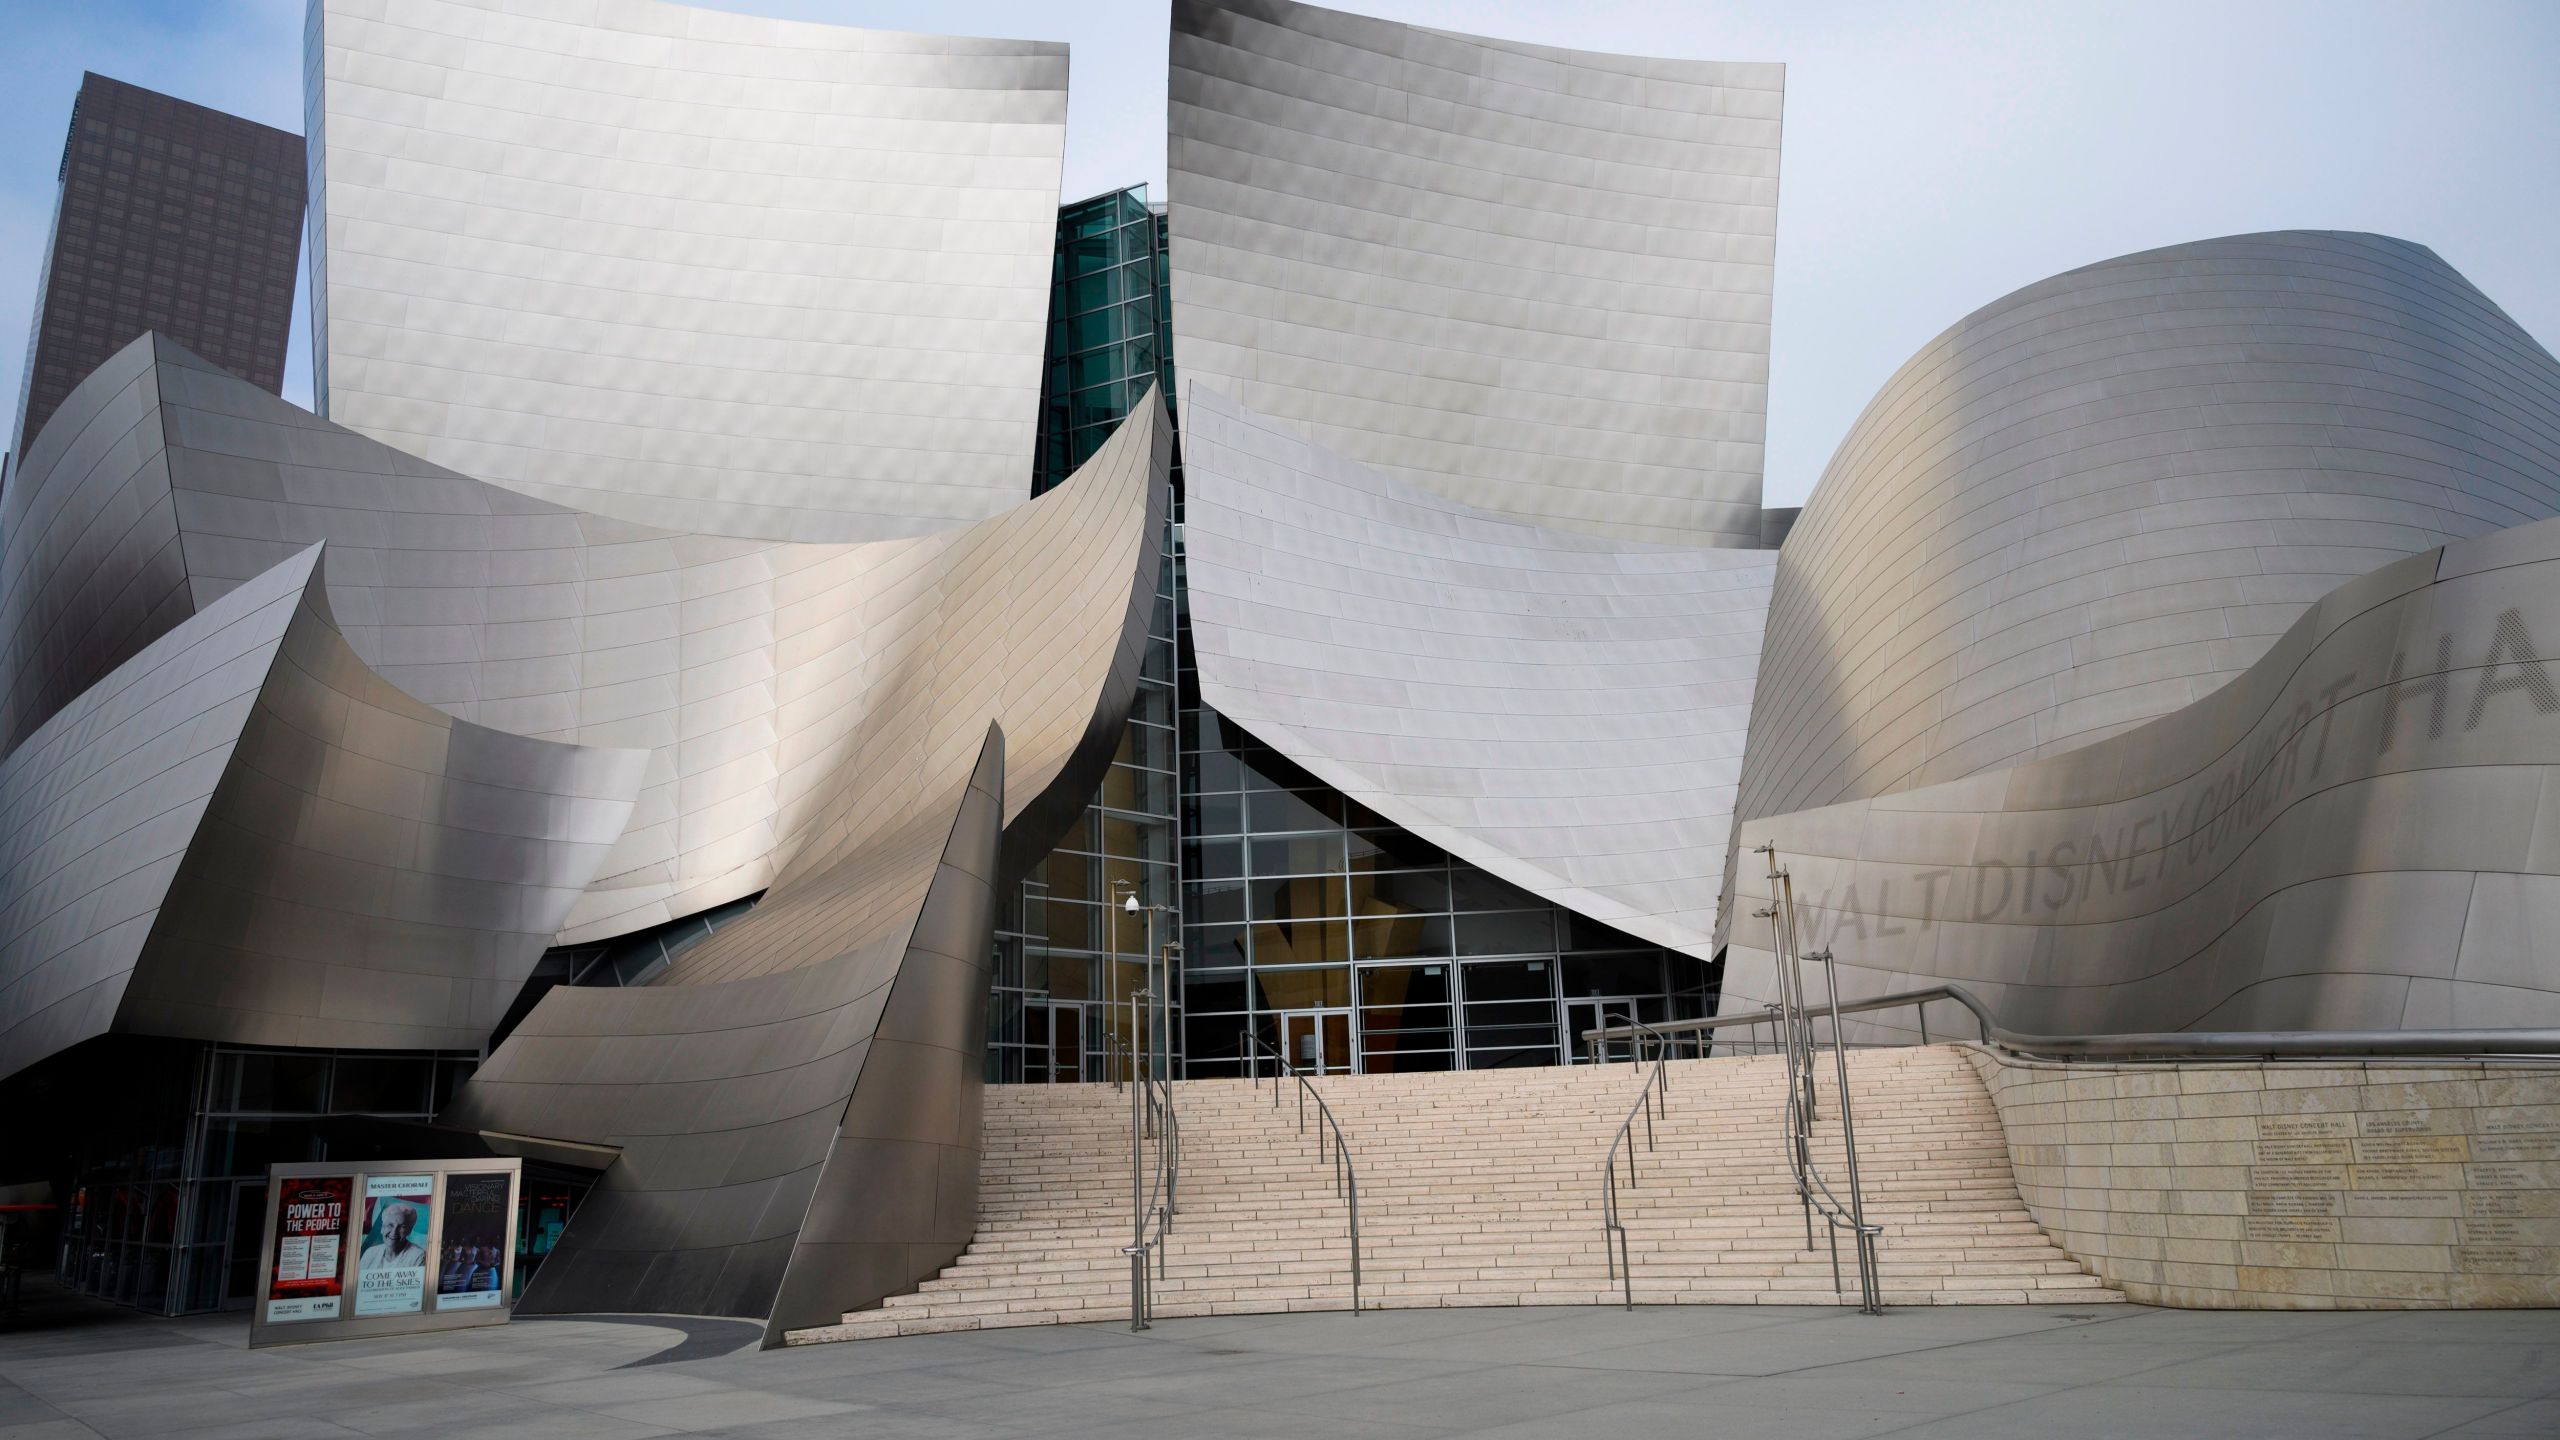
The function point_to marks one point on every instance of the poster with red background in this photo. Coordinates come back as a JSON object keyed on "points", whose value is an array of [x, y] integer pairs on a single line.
{"points": [[311, 1233]]}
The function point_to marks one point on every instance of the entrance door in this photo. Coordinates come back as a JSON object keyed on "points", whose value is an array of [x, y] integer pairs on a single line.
{"points": [[1601, 1013], [1510, 1011], [1318, 1042], [1065, 1024]]}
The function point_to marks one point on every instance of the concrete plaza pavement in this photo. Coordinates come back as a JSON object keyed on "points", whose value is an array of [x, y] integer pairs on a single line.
{"points": [[73, 1371]]}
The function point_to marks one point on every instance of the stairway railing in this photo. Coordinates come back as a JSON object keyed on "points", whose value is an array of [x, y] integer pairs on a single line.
{"points": [[1652, 1099], [1813, 1189], [1346, 1176], [1151, 1116]]}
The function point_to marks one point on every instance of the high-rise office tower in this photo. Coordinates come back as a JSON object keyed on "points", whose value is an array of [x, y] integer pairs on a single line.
{"points": [[171, 217]]}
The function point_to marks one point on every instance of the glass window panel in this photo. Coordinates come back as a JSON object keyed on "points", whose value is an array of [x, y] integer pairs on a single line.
{"points": [[1520, 980], [1215, 992], [1516, 932], [1298, 854], [1398, 891], [1293, 810], [1072, 927], [1303, 897], [1070, 878], [1219, 902], [1392, 850], [1211, 1039], [1128, 788], [1475, 890], [1405, 1062], [1211, 947], [1638, 974], [1213, 859], [1405, 985], [1302, 989], [1402, 937], [381, 1086], [1301, 942], [293, 1084]]}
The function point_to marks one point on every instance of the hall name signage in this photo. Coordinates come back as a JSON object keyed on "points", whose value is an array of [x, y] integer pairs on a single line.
{"points": [[353, 1251], [2512, 684]]}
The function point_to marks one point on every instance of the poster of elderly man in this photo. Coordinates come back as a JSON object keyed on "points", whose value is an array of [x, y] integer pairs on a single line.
{"points": [[391, 1269]]}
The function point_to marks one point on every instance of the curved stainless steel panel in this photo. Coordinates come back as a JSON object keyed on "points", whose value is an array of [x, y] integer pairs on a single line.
{"points": [[2090, 503], [1564, 711], [1534, 280], [745, 666], [706, 271], [844, 1016], [2357, 833], [242, 834]]}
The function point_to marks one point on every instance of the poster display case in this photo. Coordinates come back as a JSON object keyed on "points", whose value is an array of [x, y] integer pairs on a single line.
{"points": [[386, 1248]]}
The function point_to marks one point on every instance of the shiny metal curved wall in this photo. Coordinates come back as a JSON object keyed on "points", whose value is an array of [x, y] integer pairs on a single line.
{"points": [[2094, 501], [1564, 711], [2362, 830], [701, 270], [242, 834], [745, 667], [844, 1016], [1534, 280]]}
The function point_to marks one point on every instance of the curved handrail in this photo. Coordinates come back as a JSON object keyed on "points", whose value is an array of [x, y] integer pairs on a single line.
{"points": [[1652, 1098], [2180, 1044], [1346, 1176]]}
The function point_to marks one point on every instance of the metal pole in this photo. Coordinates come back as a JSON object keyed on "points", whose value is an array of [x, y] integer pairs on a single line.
{"points": [[1870, 1292], [1137, 1197]]}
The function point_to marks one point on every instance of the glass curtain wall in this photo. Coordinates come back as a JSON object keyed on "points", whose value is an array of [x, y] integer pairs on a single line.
{"points": [[168, 1201], [1352, 945], [1067, 954]]}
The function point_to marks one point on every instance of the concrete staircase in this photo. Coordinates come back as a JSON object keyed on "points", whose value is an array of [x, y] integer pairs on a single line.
{"points": [[1483, 1188]]}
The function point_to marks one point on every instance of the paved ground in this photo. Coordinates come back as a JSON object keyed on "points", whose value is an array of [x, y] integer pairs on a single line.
{"points": [[1584, 1373]]}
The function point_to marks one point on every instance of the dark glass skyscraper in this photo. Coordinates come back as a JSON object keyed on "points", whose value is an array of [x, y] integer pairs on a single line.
{"points": [[171, 217]]}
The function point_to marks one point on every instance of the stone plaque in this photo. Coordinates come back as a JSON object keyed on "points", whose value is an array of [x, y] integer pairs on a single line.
{"points": [[2492, 1231], [2293, 1202], [2419, 1204], [2304, 1127], [2304, 1228], [2306, 1151], [2515, 1147], [2297, 1177], [2405, 1177], [2501, 1259], [2404, 1122], [2411, 1149]]}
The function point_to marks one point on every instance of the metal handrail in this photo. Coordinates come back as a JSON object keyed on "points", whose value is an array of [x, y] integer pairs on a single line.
{"points": [[1813, 1189], [1151, 1115], [1346, 1176], [1652, 1098], [2158, 1044]]}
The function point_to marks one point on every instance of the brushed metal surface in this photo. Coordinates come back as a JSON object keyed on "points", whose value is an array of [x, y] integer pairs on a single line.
{"points": [[1533, 280], [844, 1016], [1563, 710], [242, 834], [745, 667], [2354, 834], [706, 271]]}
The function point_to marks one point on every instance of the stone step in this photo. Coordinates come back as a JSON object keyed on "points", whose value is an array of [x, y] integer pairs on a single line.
{"points": [[1485, 1188]]}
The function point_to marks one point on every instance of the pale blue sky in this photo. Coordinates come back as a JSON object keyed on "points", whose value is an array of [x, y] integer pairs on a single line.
{"points": [[1937, 156]]}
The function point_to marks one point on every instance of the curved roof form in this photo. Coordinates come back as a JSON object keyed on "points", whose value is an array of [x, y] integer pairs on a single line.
{"points": [[1533, 280], [2354, 833], [2095, 501], [747, 669], [1564, 711], [242, 834], [705, 271]]}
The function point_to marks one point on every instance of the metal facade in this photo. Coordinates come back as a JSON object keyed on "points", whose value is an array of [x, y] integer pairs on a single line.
{"points": [[243, 834], [701, 270], [1564, 711], [2094, 501], [1534, 280], [2354, 833]]}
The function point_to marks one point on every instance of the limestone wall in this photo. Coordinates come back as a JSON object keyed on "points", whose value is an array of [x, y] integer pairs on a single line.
{"points": [[2254, 1185]]}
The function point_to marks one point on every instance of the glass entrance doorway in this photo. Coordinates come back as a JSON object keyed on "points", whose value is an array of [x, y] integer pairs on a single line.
{"points": [[1509, 1010], [1318, 1042], [1056, 1054], [1594, 1012]]}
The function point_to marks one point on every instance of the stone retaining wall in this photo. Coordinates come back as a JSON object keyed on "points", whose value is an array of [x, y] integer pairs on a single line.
{"points": [[2259, 1185]]}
